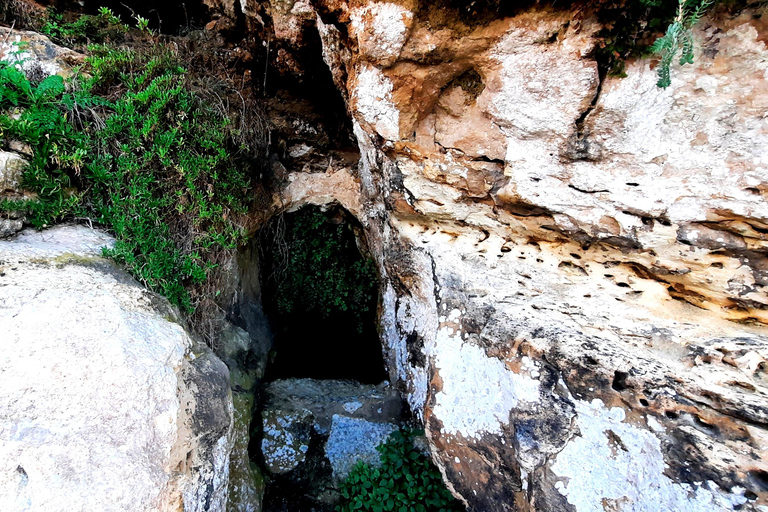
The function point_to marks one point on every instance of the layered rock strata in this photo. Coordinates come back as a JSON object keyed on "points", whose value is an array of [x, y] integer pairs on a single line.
{"points": [[574, 265]]}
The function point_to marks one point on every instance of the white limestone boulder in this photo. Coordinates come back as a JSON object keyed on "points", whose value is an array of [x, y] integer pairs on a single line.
{"points": [[106, 403]]}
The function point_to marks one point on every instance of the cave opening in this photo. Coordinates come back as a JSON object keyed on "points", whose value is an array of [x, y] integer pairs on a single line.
{"points": [[321, 293]]}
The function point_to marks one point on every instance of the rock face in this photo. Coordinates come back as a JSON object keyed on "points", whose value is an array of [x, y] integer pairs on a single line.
{"points": [[106, 402], [574, 266], [315, 431], [36, 54], [11, 168], [246, 483]]}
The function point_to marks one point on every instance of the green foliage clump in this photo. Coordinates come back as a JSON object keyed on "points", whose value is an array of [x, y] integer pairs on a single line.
{"points": [[322, 271], [132, 147], [630, 27], [104, 26], [640, 28], [679, 37], [407, 481]]}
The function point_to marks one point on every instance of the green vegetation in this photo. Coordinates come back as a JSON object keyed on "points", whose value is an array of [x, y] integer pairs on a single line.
{"points": [[128, 144], [104, 26], [679, 37], [632, 30], [407, 481], [321, 271]]}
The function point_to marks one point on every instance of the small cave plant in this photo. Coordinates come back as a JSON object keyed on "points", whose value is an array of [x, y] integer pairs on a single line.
{"points": [[406, 481]]}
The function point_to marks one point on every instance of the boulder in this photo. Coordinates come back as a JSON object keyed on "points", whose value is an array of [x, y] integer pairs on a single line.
{"points": [[37, 55], [315, 431], [11, 169], [10, 226], [107, 403], [353, 440]]}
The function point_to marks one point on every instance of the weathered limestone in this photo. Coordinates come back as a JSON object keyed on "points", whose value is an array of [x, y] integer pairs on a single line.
{"points": [[315, 431], [36, 54], [574, 268], [354, 417], [246, 483], [11, 169], [106, 402], [10, 227]]}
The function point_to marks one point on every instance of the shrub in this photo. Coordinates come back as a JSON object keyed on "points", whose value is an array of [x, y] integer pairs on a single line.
{"points": [[407, 481], [131, 147], [104, 26]]}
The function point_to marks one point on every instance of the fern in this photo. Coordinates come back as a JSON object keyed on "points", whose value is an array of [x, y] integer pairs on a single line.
{"points": [[679, 38]]}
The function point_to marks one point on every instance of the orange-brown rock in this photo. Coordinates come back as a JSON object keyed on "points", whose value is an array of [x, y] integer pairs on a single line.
{"points": [[574, 267]]}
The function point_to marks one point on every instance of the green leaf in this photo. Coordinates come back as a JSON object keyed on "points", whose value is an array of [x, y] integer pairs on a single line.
{"points": [[50, 88]]}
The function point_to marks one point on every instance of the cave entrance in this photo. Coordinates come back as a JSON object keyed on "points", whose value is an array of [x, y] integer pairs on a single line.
{"points": [[321, 291]]}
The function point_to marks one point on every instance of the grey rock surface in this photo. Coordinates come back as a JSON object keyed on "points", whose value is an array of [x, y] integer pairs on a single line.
{"points": [[327, 398], [106, 403], [350, 418], [11, 169], [354, 440], [10, 227]]}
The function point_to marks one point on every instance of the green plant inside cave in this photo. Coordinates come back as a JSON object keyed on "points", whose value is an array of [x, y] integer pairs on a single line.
{"points": [[321, 271], [406, 480], [127, 143], [318, 284]]}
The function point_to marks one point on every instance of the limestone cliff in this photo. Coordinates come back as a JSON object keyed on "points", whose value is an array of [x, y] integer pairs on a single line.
{"points": [[574, 264]]}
